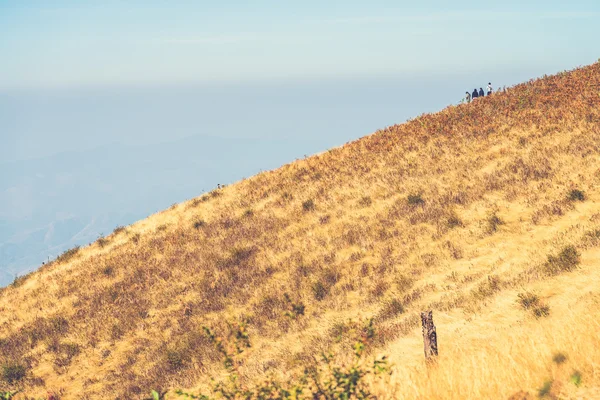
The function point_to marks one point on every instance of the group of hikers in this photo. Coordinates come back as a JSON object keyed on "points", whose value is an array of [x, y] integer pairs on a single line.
{"points": [[478, 93]]}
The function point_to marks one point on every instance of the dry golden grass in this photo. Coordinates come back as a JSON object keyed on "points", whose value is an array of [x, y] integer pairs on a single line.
{"points": [[460, 212]]}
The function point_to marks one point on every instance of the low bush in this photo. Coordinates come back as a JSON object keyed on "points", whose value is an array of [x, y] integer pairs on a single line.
{"points": [[308, 205], [567, 260], [576, 195], [390, 309], [13, 373], [415, 199], [492, 223], [68, 255], [531, 302], [327, 378], [365, 201]]}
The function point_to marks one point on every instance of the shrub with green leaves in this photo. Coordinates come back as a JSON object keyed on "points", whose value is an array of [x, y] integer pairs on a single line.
{"points": [[327, 379]]}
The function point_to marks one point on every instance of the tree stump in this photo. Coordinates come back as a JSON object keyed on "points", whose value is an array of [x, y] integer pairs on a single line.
{"points": [[429, 336]]}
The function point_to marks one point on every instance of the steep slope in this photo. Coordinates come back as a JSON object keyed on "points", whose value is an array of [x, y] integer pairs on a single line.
{"points": [[459, 212]]}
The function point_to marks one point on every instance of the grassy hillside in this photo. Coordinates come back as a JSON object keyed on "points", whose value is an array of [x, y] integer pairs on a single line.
{"points": [[486, 213]]}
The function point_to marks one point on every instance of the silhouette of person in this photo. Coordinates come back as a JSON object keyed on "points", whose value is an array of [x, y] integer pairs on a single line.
{"points": [[475, 94], [489, 88], [468, 97], [481, 94]]}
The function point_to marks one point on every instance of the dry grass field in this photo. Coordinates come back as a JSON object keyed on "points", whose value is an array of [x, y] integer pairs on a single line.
{"points": [[486, 213]]}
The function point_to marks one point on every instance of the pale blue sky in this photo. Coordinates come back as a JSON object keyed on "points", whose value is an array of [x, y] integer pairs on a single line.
{"points": [[89, 43]]}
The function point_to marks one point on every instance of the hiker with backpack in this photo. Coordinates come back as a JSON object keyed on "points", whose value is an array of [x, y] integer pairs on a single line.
{"points": [[481, 94], [467, 97], [489, 89], [475, 94]]}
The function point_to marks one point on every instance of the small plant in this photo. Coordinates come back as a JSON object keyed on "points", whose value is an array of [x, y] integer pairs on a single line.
{"points": [[67, 255], [545, 389], [102, 241], [567, 260], [488, 287], [13, 373], [308, 205], [576, 378], [19, 280], [135, 238], [175, 359], [319, 290], [248, 213], [118, 230], [493, 222], [8, 395], [108, 270], [559, 358], [199, 224], [415, 199], [576, 195], [365, 201], [157, 395], [531, 302], [403, 282], [453, 221], [295, 309]]}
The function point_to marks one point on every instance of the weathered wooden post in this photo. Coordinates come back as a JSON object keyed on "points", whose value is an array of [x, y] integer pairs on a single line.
{"points": [[429, 336]]}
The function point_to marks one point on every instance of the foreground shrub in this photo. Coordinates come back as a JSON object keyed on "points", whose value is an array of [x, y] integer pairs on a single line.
{"points": [[328, 379]]}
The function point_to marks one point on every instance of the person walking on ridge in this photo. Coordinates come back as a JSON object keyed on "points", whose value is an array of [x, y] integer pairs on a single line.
{"points": [[489, 89], [467, 97], [481, 94], [475, 94]]}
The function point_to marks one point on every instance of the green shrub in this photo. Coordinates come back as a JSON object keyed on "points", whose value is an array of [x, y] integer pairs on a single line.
{"points": [[567, 260], [576, 195], [326, 378]]}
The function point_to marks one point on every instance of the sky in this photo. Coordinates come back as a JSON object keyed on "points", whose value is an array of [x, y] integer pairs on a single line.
{"points": [[63, 43], [113, 110]]}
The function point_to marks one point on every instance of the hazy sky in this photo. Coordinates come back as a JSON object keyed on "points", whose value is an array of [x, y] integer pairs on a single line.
{"points": [[93, 43]]}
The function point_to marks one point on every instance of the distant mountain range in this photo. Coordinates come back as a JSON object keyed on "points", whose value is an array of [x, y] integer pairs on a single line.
{"points": [[51, 204]]}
